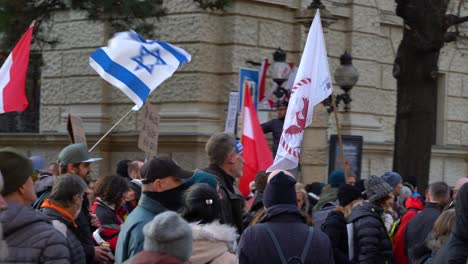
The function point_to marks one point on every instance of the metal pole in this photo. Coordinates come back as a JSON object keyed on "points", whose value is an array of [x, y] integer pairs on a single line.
{"points": [[107, 133]]}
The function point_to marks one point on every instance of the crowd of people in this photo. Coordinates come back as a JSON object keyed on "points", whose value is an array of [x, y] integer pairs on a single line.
{"points": [[155, 211]]}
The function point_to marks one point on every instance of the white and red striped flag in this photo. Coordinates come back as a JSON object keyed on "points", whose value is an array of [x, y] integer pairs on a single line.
{"points": [[13, 76], [257, 153], [311, 86]]}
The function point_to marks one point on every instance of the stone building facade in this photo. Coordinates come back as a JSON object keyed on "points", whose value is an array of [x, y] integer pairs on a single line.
{"points": [[193, 102]]}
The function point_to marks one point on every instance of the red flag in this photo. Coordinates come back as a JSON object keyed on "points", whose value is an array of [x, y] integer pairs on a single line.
{"points": [[257, 153], [263, 73], [13, 76]]}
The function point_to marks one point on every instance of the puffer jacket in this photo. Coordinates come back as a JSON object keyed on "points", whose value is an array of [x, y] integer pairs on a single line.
{"points": [[213, 243], [62, 224], [335, 227], [455, 251], [371, 241], [31, 238]]}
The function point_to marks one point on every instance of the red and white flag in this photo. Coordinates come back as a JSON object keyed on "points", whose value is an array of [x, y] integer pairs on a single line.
{"points": [[13, 76], [311, 86], [257, 153]]}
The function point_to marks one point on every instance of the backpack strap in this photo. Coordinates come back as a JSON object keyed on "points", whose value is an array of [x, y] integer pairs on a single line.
{"points": [[305, 251], [275, 242]]}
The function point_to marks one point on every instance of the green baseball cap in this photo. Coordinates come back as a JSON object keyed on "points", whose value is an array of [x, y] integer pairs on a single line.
{"points": [[75, 153]]}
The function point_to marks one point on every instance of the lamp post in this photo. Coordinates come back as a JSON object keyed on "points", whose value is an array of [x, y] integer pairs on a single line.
{"points": [[346, 76], [280, 71]]}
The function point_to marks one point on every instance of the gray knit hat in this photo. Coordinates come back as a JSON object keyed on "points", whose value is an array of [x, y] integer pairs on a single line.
{"points": [[376, 188], [169, 234]]}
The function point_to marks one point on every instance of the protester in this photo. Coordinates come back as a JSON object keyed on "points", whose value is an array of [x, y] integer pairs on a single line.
{"points": [[456, 249], [328, 199], [53, 169], [122, 169], [75, 159], [275, 126], [313, 194], [282, 233], [202, 177], [168, 240], [413, 206], [395, 181], [134, 168], [351, 180], [388, 214], [28, 234], [212, 242], [460, 182], [371, 241], [335, 179], [226, 163], [62, 208], [163, 190], [440, 233], [302, 201], [421, 225], [110, 198], [133, 196], [260, 184], [335, 224]]}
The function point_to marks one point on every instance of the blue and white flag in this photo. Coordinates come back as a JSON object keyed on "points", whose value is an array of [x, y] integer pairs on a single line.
{"points": [[137, 66]]}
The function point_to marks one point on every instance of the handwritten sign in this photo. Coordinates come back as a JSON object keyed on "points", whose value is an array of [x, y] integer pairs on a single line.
{"points": [[149, 134], [75, 129]]}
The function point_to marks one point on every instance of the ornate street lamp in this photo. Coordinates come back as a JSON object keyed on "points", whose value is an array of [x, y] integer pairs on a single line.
{"points": [[279, 72], [346, 76]]}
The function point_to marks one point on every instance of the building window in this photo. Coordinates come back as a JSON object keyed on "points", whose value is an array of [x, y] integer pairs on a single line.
{"points": [[27, 121]]}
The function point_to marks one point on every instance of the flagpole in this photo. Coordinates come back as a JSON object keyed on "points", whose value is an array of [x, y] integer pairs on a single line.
{"points": [[107, 133], [340, 140]]}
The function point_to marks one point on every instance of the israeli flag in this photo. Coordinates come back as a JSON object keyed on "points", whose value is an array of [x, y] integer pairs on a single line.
{"points": [[137, 66]]}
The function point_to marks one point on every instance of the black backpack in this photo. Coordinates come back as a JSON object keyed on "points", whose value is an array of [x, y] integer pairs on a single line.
{"points": [[293, 259]]}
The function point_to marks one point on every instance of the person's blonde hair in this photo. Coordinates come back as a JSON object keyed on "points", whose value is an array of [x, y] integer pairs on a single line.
{"points": [[300, 188], [444, 223]]}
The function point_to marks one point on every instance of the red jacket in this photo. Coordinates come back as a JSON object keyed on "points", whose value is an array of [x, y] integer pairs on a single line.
{"points": [[414, 205]]}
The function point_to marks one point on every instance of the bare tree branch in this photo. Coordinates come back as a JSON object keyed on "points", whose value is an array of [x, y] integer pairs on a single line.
{"points": [[452, 20]]}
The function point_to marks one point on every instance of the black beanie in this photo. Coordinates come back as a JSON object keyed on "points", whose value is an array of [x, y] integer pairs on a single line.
{"points": [[348, 193], [15, 168], [280, 190]]}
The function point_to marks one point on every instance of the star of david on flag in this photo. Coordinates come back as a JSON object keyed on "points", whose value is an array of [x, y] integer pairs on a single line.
{"points": [[135, 65]]}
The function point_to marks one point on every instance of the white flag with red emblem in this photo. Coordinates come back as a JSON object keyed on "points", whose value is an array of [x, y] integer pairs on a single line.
{"points": [[311, 86], [257, 153]]}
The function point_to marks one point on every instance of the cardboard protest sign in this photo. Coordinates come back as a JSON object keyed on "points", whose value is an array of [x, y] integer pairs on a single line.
{"points": [[149, 134], [75, 129]]}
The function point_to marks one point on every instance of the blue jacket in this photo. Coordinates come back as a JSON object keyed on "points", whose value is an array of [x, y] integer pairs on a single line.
{"points": [[291, 230], [131, 236]]}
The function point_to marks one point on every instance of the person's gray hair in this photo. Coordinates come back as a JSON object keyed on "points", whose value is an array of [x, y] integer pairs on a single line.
{"points": [[218, 147], [168, 233], [66, 187]]}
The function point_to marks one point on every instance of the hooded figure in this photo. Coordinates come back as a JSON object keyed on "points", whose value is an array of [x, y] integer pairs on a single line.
{"points": [[456, 249]]}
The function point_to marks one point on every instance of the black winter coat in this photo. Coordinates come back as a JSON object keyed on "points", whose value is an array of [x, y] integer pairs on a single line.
{"points": [[371, 241], [335, 227], [455, 251], [232, 201], [291, 230], [417, 231]]}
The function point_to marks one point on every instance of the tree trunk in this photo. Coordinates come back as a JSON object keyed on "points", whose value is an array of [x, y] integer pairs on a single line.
{"points": [[416, 72]]}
